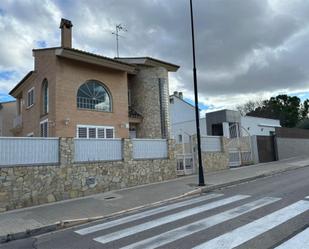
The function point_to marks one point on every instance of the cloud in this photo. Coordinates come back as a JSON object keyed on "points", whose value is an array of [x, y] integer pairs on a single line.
{"points": [[244, 49]]}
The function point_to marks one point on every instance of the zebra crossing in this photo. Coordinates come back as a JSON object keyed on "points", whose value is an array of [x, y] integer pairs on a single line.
{"points": [[132, 226]]}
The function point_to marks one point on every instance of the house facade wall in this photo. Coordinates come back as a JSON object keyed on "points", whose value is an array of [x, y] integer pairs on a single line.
{"points": [[70, 76], [45, 68], [186, 129], [7, 115], [180, 111], [259, 126]]}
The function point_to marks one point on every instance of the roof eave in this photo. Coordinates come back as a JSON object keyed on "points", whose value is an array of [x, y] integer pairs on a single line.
{"points": [[148, 61], [27, 76], [97, 60]]}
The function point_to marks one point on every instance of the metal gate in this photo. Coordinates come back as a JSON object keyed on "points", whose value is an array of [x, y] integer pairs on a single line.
{"points": [[266, 148], [184, 164], [239, 146], [185, 158]]}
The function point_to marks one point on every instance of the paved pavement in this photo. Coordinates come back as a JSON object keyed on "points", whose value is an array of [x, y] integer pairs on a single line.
{"points": [[271, 212], [19, 221]]}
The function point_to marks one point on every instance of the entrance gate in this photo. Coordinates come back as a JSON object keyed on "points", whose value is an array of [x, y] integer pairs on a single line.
{"points": [[239, 146]]}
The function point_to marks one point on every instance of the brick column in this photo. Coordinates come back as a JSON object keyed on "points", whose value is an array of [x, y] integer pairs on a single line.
{"points": [[127, 150], [66, 150]]}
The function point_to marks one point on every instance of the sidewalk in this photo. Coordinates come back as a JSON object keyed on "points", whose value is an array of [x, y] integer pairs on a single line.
{"points": [[20, 221]]}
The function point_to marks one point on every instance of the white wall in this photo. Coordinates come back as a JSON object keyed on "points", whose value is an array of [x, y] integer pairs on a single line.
{"points": [[187, 127], [259, 126], [180, 111]]}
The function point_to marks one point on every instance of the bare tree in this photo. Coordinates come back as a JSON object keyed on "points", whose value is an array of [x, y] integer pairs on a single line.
{"points": [[249, 106]]}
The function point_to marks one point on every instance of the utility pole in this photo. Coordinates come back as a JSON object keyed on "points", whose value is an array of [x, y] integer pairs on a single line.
{"points": [[197, 114], [119, 28]]}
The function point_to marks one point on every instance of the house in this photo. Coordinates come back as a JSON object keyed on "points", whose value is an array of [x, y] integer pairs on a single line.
{"points": [[74, 93], [217, 123], [7, 115], [182, 116], [223, 123]]}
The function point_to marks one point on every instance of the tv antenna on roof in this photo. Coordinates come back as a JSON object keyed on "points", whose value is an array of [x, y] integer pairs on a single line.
{"points": [[119, 27]]}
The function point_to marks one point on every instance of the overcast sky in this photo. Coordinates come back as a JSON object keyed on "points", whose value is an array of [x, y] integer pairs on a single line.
{"points": [[246, 49]]}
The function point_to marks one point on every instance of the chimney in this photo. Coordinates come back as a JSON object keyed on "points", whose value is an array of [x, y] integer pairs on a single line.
{"points": [[180, 95], [66, 33]]}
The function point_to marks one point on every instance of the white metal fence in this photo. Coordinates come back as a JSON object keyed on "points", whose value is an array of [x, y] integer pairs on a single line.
{"points": [[98, 150], [149, 148], [31, 151], [211, 144]]}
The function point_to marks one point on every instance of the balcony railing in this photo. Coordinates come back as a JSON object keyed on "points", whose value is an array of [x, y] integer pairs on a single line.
{"points": [[93, 104]]}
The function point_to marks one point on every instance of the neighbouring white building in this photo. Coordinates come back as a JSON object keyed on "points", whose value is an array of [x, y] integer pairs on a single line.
{"points": [[182, 119], [218, 123], [259, 126]]}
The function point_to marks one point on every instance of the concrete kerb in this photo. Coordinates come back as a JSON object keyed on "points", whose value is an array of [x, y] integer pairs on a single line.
{"points": [[74, 222]]}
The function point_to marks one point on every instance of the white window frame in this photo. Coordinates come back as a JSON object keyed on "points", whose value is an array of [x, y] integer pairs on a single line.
{"points": [[96, 127], [29, 105], [47, 130]]}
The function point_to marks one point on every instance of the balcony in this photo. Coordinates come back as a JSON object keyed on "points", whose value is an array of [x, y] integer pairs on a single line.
{"points": [[134, 116]]}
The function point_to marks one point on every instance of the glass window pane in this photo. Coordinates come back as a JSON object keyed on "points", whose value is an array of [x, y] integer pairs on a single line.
{"points": [[93, 95]]}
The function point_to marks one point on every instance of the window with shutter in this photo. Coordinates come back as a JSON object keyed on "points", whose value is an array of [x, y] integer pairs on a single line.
{"points": [[85, 131], [109, 133], [82, 132], [44, 128], [101, 133], [30, 98], [92, 132]]}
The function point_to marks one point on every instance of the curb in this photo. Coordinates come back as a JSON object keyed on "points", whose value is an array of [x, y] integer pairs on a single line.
{"points": [[70, 223]]}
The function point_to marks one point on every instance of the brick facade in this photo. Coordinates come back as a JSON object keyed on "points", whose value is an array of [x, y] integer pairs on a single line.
{"points": [[66, 69]]}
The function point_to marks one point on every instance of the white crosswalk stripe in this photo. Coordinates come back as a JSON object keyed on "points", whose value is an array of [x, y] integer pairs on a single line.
{"points": [[299, 241], [307, 197], [167, 219], [189, 229], [141, 215], [245, 233]]}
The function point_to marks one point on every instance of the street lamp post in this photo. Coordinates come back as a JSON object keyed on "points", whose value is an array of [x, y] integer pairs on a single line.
{"points": [[197, 115]]}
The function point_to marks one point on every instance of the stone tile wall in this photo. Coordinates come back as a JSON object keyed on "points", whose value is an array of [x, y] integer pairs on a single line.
{"points": [[24, 186]]}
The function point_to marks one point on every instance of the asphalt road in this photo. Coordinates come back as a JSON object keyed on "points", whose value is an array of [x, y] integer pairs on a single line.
{"points": [[272, 212]]}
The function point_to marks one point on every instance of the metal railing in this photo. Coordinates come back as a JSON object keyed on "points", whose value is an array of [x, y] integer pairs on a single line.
{"points": [[150, 148], [87, 150], [28, 151], [211, 144], [93, 104]]}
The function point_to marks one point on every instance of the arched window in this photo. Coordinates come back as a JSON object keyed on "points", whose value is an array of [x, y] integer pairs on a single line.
{"points": [[95, 96], [45, 97]]}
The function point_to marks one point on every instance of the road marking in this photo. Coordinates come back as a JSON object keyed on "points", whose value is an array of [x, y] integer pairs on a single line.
{"points": [[245, 233], [307, 197], [144, 214], [189, 229], [167, 219], [299, 241]]}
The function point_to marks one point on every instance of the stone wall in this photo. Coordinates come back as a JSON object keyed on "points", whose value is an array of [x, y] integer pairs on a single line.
{"points": [[24, 186], [145, 98], [213, 161]]}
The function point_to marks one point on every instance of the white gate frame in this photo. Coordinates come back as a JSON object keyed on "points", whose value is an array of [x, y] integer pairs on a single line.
{"points": [[234, 146]]}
